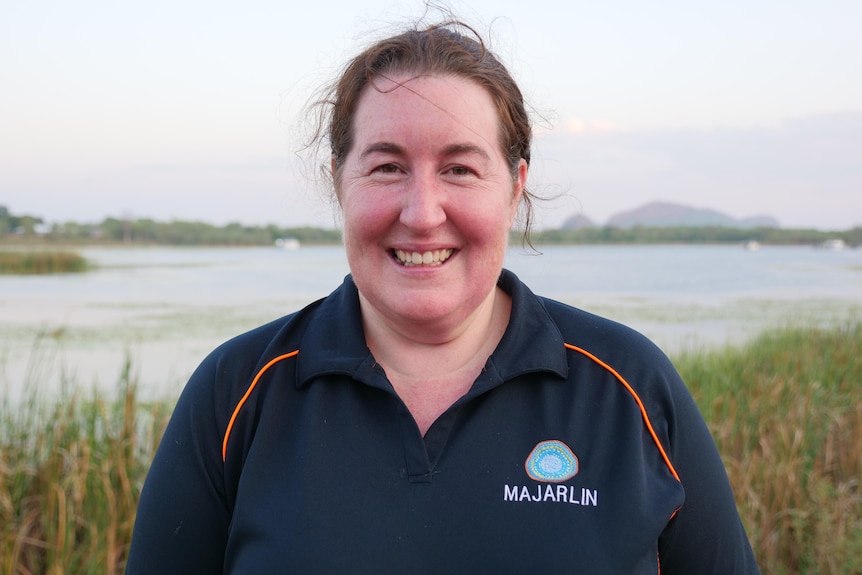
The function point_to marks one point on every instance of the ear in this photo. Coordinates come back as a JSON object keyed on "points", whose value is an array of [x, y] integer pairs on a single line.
{"points": [[520, 180], [333, 179], [518, 186]]}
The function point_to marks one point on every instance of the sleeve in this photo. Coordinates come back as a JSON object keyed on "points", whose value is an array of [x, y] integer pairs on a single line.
{"points": [[183, 514], [706, 536]]}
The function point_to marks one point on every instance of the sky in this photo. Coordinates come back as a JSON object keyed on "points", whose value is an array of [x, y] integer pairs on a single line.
{"points": [[193, 110]]}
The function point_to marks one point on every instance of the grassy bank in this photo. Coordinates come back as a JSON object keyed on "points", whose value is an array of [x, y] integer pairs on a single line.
{"points": [[70, 476], [41, 262], [786, 412]]}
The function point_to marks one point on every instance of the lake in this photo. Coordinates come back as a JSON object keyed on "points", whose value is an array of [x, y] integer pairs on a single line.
{"points": [[166, 308]]}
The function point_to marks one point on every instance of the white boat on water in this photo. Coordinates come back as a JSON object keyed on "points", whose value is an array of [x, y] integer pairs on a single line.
{"points": [[833, 244], [287, 243], [751, 245]]}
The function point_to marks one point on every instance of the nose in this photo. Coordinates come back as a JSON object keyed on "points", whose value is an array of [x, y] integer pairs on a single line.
{"points": [[423, 204]]}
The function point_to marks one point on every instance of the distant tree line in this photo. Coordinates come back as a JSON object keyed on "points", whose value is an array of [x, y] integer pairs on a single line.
{"points": [[187, 233], [21, 225], [694, 235], [191, 233], [148, 231]]}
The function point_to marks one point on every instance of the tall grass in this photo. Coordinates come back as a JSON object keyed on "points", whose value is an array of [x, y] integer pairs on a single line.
{"points": [[70, 474], [786, 413], [41, 262]]}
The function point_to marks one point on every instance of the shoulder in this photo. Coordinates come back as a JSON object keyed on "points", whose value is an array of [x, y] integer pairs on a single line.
{"points": [[326, 327], [627, 357], [601, 335], [245, 352], [540, 325], [311, 328], [224, 375], [610, 341]]}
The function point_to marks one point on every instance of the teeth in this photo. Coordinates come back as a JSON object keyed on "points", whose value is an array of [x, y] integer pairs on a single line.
{"points": [[434, 258]]}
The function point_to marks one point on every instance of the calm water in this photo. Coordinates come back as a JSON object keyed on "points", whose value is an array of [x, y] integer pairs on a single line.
{"points": [[165, 308]]}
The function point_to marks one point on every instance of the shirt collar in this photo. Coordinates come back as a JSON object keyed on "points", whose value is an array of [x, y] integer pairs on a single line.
{"points": [[532, 341], [335, 341]]}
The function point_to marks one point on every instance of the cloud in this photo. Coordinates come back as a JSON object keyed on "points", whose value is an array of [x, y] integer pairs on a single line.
{"points": [[806, 172], [575, 125]]}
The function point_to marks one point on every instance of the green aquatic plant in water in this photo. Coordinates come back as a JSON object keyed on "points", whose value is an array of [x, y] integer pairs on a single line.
{"points": [[41, 262]]}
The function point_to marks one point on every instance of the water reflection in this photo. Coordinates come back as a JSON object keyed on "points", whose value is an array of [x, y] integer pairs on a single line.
{"points": [[167, 307]]}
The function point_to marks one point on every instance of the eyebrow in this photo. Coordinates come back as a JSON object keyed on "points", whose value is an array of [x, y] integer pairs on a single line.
{"points": [[383, 147], [465, 149], [450, 150]]}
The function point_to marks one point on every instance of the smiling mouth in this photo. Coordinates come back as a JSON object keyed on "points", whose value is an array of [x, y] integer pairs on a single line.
{"points": [[430, 258]]}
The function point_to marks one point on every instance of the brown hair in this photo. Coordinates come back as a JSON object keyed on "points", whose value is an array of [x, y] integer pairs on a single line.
{"points": [[449, 48]]}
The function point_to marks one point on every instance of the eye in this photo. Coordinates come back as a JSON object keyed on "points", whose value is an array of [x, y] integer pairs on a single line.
{"points": [[387, 169], [460, 171]]}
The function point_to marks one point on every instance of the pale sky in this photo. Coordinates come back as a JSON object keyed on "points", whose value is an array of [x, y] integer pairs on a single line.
{"points": [[174, 109]]}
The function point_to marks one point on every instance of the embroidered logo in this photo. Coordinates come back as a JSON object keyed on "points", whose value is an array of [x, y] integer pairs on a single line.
{"points": [[551, 461]]}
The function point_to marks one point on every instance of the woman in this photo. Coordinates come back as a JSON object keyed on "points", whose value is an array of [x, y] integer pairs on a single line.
{"points": [[432, 415]]}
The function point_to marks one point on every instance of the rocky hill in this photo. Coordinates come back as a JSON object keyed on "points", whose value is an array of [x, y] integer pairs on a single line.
{"points": [[665, 214]]}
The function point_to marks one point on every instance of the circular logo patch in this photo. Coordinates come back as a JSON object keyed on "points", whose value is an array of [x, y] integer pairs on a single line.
{"points": [[552, 461]]}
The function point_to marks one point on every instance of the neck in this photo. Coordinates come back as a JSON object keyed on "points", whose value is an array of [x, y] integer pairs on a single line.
{"points": [[431, 368], [398, 345]]}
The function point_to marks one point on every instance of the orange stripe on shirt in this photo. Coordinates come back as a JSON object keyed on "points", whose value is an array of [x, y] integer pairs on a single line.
{"points": [[246, 396], [637, 399]]}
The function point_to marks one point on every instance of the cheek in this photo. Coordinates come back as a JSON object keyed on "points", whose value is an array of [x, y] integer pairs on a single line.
{"points": [[488, 230], [362, 215], [500, 215]]}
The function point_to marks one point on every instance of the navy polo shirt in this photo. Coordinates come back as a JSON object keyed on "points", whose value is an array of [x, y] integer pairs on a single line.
{"points": [[578, 449]]}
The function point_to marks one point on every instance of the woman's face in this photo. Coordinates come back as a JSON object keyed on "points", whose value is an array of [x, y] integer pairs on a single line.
{"points": [[428, 199]]}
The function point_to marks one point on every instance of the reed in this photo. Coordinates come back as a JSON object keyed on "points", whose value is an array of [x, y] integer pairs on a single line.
{"points": [[41, 262], [70, 475], [786, 413]]}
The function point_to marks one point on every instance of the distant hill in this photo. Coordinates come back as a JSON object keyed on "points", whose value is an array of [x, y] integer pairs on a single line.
{"points": [[665, 214], [578, 222]]}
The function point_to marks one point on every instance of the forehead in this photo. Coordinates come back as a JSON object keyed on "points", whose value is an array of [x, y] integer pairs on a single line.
{"points": [[420, 109]]}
